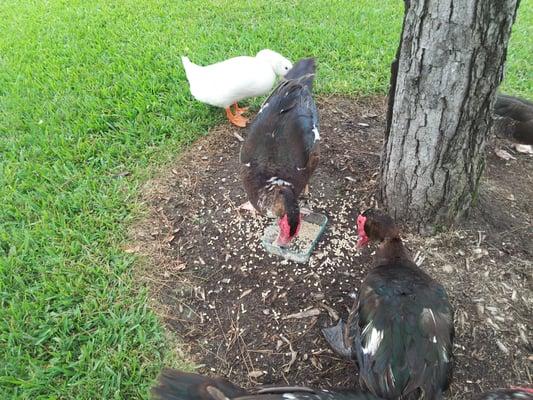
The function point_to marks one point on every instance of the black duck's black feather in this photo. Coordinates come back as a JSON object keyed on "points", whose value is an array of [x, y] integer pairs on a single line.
{"points": [[402, 327], [283, 139], [177, 385], [409, 318], [507, 394], [303, 70], [517, 118], [515, 108], [295, 91]]}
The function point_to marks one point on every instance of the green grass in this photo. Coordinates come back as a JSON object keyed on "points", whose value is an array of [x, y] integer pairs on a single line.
{"points": [[92, 89]]}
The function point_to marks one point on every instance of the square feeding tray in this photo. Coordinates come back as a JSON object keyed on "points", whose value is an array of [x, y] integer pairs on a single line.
{"points": [[302, 246]]}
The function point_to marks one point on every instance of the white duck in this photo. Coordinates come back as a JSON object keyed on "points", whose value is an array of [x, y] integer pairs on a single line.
{"points": [[227, 82]]}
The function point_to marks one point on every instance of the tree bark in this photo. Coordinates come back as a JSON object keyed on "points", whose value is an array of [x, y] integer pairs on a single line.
{"points": [[450, 64]]}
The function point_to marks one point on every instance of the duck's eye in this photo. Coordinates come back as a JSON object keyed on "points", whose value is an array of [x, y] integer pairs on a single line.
{"points": [[286, 68]]}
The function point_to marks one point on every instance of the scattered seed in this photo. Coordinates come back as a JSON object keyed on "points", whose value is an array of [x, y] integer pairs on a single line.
{"points": [[255, 374]]}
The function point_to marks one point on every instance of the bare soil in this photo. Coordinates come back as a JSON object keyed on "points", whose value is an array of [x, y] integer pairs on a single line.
{"points": [[256, 318]]}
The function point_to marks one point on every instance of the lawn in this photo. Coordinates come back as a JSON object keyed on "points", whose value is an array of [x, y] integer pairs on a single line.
{"points": [[92, 100]]}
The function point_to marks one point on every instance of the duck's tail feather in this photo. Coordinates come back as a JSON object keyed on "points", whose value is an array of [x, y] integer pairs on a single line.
{"points": [[517, 121], [512, 107], [303, 71], [298, 84], [189, 67], [178, 385], [294, 90]]}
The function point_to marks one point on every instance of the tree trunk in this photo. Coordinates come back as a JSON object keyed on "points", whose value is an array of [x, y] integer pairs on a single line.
{"points": [[450, 63]]}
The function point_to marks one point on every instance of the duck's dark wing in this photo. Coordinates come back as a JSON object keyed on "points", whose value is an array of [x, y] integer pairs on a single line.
{"points": [[516, 118], [304, 393], [405, 332], [507, 394], [285, 131], [177, 385]]}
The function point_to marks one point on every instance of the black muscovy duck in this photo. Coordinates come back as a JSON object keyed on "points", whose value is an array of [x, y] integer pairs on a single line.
{"points": [[516, 119], [177, 385], [507, 394], [281, 150], [400, 331]]}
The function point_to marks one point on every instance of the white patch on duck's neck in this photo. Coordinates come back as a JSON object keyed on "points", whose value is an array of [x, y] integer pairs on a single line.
{"points": [[373, 342], [300, 169], [275, 181], [247, 164], [317, 134]]}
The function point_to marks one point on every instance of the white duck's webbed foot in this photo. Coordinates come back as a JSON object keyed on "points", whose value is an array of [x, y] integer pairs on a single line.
{"points": [[236, 119], [239, 110]]}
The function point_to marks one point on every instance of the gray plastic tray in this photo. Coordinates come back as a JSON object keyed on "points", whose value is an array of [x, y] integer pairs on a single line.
{"points": [[301, 256]]}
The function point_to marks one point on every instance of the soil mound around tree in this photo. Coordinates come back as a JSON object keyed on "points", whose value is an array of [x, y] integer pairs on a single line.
{"points": [[255, 318]]}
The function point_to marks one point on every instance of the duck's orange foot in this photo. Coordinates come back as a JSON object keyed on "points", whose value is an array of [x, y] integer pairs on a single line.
{"points": [[238, 110], [236, 119]]}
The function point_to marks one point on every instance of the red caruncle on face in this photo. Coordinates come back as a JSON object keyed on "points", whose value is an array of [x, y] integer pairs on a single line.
{"points": [[363, 238]]}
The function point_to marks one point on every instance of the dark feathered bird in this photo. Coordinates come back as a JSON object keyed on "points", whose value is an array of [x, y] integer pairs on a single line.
{"points": [[281, 150], [516, 118], [401, 330], [508, 394], [177, 385]]}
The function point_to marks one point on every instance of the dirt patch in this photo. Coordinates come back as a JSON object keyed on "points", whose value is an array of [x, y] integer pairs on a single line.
{"points": [[255, 318]]}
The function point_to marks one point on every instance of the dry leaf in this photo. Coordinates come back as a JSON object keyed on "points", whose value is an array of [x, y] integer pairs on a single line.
{"points": [[132, 249], [504, 155], [180, 266], [332, 313], [316, 363], [294, 354], [239, 137], [313, 312], [170, 238], [502, 347]]}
